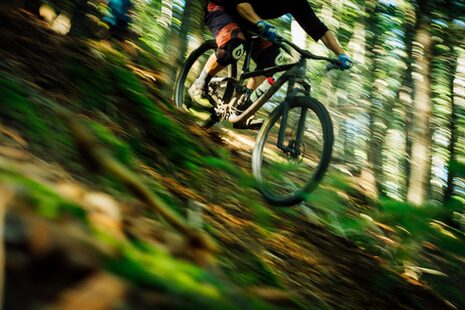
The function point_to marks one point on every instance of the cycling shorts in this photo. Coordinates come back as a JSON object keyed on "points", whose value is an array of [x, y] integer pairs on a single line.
{"points": [[226, 27]]}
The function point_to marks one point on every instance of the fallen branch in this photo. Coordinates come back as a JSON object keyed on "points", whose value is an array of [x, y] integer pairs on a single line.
{"points": [[100, 159]]}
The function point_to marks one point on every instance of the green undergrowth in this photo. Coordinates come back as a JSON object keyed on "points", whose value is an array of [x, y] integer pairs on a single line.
{"points": [[46, 201], [120, 149], [401, 235], [134, 127], [146, 266], [46, 134], [248, 270]]}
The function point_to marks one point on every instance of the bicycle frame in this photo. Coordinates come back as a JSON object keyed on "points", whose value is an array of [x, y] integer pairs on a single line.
{"points": [[295, 73]]}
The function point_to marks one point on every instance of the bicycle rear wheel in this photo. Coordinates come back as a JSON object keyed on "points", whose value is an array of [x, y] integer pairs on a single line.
{"points": [[190, 72], [286, 177]]}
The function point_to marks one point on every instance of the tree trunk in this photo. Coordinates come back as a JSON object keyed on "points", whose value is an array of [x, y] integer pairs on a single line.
{"points": [[419, 158], [406, 96], [375, 145], [453, 125], [178, 41]]}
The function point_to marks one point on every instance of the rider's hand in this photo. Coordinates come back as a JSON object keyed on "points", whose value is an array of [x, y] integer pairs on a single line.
{"points": [[344, 62], [267, 30]]}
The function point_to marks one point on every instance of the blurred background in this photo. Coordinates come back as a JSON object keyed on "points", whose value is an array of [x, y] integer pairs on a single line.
{"points": [[396, 187], [399, 112]]}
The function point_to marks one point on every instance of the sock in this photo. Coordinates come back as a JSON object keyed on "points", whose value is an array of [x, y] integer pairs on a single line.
{"points": [[204, 77]]}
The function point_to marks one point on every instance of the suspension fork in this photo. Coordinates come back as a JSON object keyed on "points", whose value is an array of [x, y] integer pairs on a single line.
{"points": [[300, 131], [294, 146], [282, 127]]}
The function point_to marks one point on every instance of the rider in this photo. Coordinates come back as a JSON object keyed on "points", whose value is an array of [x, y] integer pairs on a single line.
{"points": [[226, 18], [119, 18]]}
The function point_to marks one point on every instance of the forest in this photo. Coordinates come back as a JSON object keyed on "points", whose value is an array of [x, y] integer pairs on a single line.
{"points": [[113, 198]]}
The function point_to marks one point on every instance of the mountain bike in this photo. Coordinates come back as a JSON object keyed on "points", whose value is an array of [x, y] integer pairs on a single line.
{"points": [[294, 145]]}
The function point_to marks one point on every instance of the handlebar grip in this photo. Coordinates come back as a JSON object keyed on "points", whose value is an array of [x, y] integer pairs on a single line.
{"points": [[332, 66]]}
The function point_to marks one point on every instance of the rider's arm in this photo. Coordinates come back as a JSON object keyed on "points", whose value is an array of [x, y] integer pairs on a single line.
{"points": [[331, 42], [247, 12], [308, 20]]}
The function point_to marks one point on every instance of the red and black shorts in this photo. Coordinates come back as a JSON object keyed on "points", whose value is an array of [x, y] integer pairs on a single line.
{"points": [[226, 30]]}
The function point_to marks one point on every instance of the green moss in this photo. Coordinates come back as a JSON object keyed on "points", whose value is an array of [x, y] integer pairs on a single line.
{"points": [[16, 106], [248, 270], [94, 86], [223, 163], [38, 124], [46, 201], [119, 148], [165, 195], [157, 269], [167, 134]]}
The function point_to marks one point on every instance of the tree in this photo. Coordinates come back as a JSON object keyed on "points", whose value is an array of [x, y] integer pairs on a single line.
{"points": [[420, 137]]}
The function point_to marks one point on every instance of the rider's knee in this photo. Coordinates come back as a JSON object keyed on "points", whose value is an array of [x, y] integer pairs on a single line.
{"points": [[231, 52], [270, 57]]}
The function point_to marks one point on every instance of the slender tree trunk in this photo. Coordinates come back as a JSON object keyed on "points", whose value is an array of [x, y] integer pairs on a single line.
{"points": [[375, 146], [178, 40], [420, 159], [454, 132], [406, 94]]}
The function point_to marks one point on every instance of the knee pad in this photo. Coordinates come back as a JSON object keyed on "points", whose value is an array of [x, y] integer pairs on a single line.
{"points": [[231, 52], [270, 57]]}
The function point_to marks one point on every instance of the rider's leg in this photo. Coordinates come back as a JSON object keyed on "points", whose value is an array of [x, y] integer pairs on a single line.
{"points": [[212, 67], [225, 55], [199, 89], [265, 55], [254, 82], [231, 42]]}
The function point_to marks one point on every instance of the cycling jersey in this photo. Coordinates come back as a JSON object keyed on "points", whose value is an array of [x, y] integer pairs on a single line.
{"points": [[269, 9]]}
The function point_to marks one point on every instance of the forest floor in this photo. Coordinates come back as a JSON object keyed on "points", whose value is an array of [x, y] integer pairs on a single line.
{"points": [[77, 238]]}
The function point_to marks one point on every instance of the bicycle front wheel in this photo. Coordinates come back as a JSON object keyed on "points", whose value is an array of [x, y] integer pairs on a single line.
{"points": [[287, 172]]}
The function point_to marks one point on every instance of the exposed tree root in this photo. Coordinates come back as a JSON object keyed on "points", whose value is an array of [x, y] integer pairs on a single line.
{"points": [[100, 160]]}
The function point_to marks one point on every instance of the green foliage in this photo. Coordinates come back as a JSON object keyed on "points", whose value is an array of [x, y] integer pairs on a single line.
{"points": [[47, 202], [248, 270], [94, 93], [27, 112], [458, 168], [119, 148], [224, 163], [157, 269], [167, 134], [15, 104]]}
